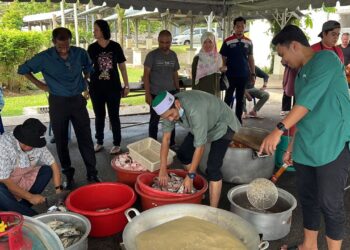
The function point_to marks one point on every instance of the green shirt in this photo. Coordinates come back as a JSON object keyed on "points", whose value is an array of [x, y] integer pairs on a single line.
{"points": [[321, 87], [206, 116]]}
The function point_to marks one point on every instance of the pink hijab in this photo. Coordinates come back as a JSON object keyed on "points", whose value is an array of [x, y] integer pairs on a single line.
{"points": [[208, 62]]}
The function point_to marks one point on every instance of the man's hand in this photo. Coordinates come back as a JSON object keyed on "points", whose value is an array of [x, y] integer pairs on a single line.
{"points": [[86, 94], [148, 99], [263, 87], [223, 69], [36, 199], [287, 158], [248, 96], [163, 177], [270, 142], [126, 91], [188, 184]]}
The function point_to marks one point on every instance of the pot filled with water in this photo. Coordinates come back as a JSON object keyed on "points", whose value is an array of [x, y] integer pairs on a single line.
{"points": [[273, 223]]}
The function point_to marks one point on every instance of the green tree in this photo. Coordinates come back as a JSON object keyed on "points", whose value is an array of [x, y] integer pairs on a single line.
{"points": [[15, 48], [13, 13]]}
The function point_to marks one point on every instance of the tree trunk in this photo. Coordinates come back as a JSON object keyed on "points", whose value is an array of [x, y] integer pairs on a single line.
{"points": [[121, 14]]}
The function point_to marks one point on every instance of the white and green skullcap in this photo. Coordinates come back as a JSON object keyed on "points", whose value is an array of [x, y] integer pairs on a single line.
{"points": [[162, 102]]}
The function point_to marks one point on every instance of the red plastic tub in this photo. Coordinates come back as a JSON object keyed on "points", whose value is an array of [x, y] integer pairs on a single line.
{"points": [[151, 201], [145, 181], [125, 176], [104, 205]]}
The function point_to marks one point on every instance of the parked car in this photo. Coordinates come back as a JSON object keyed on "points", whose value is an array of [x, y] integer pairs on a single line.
{"points": [[184, 38]]}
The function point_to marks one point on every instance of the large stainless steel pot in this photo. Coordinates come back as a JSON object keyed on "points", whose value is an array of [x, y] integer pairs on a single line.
{"points": [[242, 165], [81, 222], [41, 235], [159, 215], [272, 226]]}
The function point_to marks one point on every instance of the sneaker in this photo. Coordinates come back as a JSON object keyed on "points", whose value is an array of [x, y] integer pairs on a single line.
{"points": [[115, 150], [98, 147], [94, 179]]}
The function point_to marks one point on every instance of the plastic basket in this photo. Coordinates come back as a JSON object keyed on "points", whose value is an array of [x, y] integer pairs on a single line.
{"points": [[147, 153]]}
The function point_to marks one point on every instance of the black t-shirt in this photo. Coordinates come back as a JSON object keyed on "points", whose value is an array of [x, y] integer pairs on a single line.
{"points": [[346, 52], [106, 76]]}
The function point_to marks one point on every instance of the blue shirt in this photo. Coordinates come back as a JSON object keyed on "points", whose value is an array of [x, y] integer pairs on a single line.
{"points": [[63, 77], [236, 50]]}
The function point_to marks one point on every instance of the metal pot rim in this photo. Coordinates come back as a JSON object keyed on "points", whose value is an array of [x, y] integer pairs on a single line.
{"points": [[234, 190]]}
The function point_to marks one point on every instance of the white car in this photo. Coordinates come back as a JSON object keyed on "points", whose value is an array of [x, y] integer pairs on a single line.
{"points": [[184, 38]]}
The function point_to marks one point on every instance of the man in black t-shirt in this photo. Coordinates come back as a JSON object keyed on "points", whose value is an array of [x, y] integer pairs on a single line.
{"points": [[345, 47]]}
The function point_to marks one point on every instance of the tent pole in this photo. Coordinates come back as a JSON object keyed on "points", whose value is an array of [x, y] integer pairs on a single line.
{"points": [[63, 17], [191, 33], [76, 25]]}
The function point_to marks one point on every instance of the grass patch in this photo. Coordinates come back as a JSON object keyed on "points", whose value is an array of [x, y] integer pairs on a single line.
{"points": [[14, 105]]}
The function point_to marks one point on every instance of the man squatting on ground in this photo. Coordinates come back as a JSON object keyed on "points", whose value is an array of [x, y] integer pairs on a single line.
{"points": [[26, 167]]}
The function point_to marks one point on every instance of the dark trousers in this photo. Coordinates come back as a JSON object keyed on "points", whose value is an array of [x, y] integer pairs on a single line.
{"points": [[63, 110], [237, 84], [321, 191], [153, 124], [287, 102], [1, 126], [99, 101], [216, 155], [8, 202]]}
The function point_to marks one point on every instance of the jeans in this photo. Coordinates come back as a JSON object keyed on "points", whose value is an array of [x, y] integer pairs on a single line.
{"points": [[8, 202], [262, 95]]}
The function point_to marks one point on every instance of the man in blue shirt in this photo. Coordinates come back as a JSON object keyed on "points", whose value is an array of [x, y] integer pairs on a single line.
{"points": [[63, 67], [237, 54]]}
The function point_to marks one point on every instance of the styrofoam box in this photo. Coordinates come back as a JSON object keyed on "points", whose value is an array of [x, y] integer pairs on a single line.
{"points": [[147, 153]]}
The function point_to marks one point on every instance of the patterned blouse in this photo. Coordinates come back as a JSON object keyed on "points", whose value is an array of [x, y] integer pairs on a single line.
{"points": [[12, 156]]}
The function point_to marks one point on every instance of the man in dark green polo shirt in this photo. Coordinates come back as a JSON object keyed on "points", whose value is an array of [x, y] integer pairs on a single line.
{"points": [[209, 120], [319, 150]]}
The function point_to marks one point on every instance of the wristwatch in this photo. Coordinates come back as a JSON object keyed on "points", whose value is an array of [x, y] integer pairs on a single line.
{"points": [[60, 187], [191, 175], [281, 127], [253, 74]]}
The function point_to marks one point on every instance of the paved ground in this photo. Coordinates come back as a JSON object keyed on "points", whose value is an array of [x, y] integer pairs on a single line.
{"points": [[132, 134]]}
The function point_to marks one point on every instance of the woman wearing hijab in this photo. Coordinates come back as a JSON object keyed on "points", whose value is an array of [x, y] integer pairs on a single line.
{"points": [[207, 66], [105, 87]]}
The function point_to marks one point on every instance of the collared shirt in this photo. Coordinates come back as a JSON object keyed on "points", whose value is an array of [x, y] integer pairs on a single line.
{"points": [[321, 87], [63, 77], [12, 156], [206, 116], [236, 50]]}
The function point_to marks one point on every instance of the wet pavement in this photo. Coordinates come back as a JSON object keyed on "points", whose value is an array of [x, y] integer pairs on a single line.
{"points": [[270, 111]]}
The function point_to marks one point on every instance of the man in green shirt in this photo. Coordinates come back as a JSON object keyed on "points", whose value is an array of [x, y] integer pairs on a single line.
{"points": [[209, 120], [320, 148]]}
